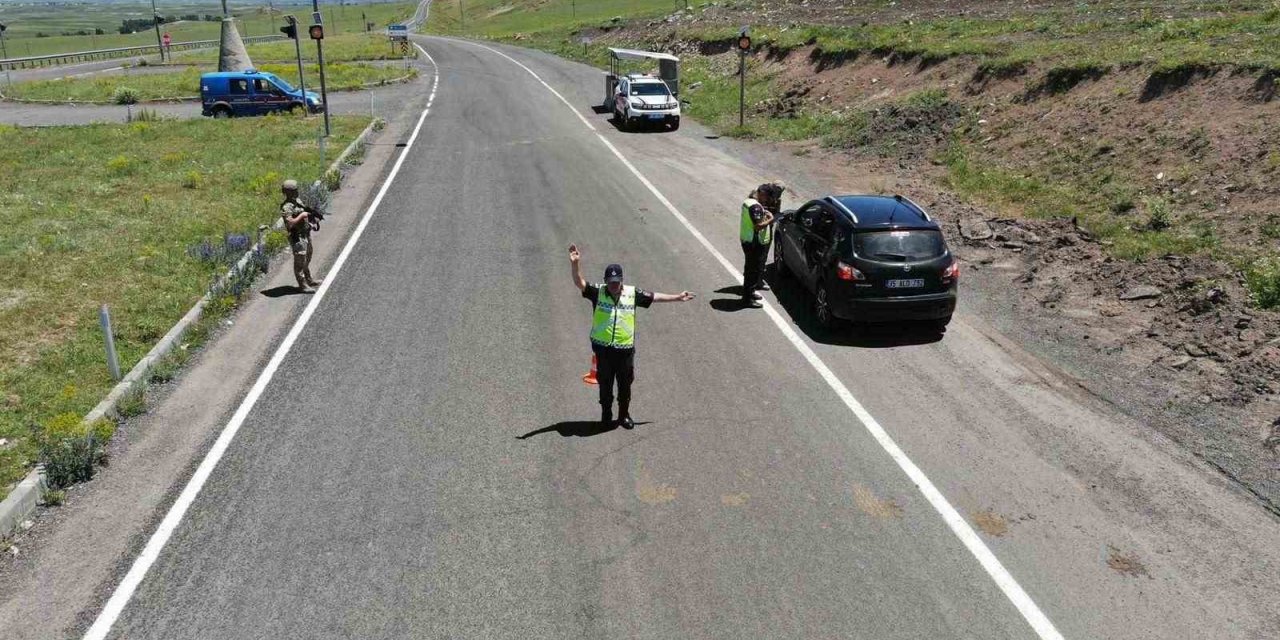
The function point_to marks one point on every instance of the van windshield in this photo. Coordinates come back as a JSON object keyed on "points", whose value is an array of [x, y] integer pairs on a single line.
{"points": [[900, 246], [283, 85]]}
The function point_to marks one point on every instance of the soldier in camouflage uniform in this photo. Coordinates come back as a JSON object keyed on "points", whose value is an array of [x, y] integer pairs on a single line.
{"points": [[297, 219]]}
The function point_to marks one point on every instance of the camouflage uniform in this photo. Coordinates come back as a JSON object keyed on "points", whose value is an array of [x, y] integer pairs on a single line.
{"points": [[299, 237]]}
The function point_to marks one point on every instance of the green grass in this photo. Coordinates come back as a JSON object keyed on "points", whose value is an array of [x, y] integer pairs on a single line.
{"points": [[341, 76], [99, 214], [253, 19], [342, 48]]}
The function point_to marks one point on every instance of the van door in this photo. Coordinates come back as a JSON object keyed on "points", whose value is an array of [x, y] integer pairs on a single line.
{"points": [[239, 97], [267, 97]]}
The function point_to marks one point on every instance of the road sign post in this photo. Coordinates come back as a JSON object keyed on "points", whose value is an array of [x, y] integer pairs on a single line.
{"points": [[156, 20], [744, 45]]}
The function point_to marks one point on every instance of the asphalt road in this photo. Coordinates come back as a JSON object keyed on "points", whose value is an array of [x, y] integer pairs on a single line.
{"points": [[422, 464]]}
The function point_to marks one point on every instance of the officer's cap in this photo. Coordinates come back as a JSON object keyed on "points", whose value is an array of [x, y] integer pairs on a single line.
{"points": [[613, 273], [289, 185]]}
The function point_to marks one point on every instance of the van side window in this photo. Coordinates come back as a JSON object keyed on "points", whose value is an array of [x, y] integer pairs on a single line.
{"points": [[262, 86], [239, 86]]}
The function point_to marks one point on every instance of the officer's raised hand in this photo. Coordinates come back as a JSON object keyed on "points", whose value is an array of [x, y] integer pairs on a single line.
{"points": [[574, 257]]}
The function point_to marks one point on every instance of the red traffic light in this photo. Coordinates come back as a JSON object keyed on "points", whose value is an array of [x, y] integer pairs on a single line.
{"points": [[317, 32]]}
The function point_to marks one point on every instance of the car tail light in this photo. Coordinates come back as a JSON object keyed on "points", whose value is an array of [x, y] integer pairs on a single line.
{"points": [[848, 272], [951, 273]]}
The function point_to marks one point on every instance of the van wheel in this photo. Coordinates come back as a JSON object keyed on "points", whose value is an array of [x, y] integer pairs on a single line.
{"points": [[221, 113], [297, 108]]}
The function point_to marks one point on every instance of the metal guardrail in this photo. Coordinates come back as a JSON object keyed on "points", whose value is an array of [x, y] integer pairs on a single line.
{"points": [[54, 59]]}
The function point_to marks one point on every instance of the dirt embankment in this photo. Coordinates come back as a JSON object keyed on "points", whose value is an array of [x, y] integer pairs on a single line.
{"points": [[1143, 294]]}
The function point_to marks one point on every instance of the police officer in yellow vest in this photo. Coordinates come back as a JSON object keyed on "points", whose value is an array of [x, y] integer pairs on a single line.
{"points": [[756, 233], [613, 333]]}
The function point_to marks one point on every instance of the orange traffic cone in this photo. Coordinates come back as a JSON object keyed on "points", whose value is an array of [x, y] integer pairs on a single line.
{"points": [[590, 378]]}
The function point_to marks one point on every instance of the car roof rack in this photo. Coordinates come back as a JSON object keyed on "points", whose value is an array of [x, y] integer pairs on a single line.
{"points": [[902, 198], [834, 201]]}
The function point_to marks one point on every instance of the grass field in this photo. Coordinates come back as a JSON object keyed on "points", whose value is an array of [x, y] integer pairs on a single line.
{"points": [[342, 48], [177, 83], [117, 215], [252, 20]]}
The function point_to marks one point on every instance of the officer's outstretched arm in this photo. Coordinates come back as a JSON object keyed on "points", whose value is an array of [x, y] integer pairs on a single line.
{"points": [[574, 257], [683, 296]]}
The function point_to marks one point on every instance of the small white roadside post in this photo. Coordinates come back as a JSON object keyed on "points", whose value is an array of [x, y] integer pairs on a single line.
{"points": [[113, 361]]}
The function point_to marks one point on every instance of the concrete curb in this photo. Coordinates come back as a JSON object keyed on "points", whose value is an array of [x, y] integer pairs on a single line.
{"points": [[24, 498]]}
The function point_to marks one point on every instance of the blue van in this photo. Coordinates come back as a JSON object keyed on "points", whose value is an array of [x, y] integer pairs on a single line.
{"points": [[251, 93]]}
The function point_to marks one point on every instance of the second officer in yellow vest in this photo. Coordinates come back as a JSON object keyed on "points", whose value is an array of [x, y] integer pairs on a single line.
{"points": [[613, 333], [755, 230]]}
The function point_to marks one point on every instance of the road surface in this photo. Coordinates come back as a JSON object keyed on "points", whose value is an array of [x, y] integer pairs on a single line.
{"points": [[422, 463]]}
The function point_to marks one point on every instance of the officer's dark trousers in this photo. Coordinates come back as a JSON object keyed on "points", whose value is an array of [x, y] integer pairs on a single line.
{"points": [[611, 365], [753, 270]]}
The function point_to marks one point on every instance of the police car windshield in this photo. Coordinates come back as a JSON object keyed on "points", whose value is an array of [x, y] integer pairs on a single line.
{"points": [[649, 89]]}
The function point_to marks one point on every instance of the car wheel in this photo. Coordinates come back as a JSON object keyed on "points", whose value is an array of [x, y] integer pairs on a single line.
{"points": [[221, 113], [822, 308], [675, 124], [941, 324]]}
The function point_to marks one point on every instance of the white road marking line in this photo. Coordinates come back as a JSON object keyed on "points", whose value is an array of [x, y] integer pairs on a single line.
{"points": [[87, 73], [124, 592], [1012, 590]]}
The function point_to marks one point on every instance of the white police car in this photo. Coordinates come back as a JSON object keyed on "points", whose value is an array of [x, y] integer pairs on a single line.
{"points": [[642, 99]]}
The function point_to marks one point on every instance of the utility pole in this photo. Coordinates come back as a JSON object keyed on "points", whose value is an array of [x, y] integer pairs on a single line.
{"points": [[462, 17], [317, 34], [155, 20]]}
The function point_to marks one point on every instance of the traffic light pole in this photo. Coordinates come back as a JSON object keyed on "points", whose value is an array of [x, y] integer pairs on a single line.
{"points": [[155, 21], [324, 94], [297, 49]]}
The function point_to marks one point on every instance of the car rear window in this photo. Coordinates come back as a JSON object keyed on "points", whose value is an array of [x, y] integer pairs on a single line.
{"points": [[899, 246]]}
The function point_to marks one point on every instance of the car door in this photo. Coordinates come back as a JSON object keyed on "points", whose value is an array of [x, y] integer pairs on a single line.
{"points": [[817, 241], [624, 97], [791, 236]]}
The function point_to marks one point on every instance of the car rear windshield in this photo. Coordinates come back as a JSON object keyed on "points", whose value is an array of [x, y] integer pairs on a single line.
{"points": [[649, 89], [899, 246]]}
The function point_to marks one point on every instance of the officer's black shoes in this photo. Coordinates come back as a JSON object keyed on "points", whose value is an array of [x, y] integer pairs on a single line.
{"points": [[606, 418], [764, 286], [753, 303], [755, 295], [627, 423]]}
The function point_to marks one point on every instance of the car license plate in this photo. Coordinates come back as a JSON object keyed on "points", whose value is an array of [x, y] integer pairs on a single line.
{"points": [[913, 283], [656, 116]]}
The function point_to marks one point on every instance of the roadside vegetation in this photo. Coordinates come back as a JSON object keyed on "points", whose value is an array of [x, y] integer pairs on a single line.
{"points": [[1105, 184], [141, 217], [38, 28], [185, 82], [347, 47]]}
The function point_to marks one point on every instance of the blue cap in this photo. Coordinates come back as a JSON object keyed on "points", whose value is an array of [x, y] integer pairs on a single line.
{"points": [[613, 273]]}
